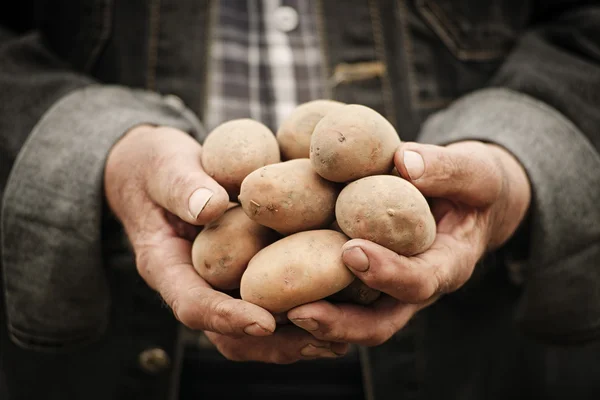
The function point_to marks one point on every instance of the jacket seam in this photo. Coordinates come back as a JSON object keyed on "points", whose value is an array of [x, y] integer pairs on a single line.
{"points": [[444, 28], [104, 35], [379, 41]]}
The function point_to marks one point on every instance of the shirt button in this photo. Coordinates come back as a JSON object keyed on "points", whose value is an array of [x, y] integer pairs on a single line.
{"points": [[286, 18], [154, 360]]}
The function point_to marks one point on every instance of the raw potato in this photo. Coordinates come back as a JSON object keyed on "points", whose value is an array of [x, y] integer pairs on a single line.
{"points": [[352, 142], [294, 133], [236, 148], [387, 210], [289, 197], [222, 250], [357, 292], [296, 270]]}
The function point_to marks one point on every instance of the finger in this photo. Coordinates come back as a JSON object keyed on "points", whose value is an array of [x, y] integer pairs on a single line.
{"points": [[465, 173], [177, 182], [287, 345], [367, 326], [444, 267], [164, 262]]}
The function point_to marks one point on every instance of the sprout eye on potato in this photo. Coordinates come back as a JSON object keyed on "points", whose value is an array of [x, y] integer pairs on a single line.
{"points": [[389, 211], [298, 269], [352, 142], [295, 132], [289, 197], [236, 148]]}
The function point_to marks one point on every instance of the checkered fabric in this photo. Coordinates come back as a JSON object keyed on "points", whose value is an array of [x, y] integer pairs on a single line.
{"points": [[262, 67]]}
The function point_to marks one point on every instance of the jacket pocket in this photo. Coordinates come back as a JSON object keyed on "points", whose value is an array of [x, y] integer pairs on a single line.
{"points": [[475, 30]]}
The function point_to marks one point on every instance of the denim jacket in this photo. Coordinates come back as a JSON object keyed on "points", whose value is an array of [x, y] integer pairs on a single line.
{"points": [[76, 75]]}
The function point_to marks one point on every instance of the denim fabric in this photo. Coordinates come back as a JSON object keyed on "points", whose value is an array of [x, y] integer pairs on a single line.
{"points": [[409, 59]]}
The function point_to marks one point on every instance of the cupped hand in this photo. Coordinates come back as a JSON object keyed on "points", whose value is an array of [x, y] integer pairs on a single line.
{"points": [[287, 345], [155, 185], [479, 195]]}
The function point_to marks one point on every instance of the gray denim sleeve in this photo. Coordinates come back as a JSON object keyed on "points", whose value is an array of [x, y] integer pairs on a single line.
{"points": [[561, 296], [55, 285]]}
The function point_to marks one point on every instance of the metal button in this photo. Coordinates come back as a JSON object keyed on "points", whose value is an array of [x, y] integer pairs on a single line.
{"points": [[285, 18], [154, 360]]}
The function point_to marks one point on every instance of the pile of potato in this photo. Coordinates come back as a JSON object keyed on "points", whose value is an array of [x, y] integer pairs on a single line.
{"points": [[281, 245]]}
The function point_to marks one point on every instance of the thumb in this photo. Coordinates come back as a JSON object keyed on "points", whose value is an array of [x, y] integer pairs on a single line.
{"points": [[464, 171], [177, 182]]}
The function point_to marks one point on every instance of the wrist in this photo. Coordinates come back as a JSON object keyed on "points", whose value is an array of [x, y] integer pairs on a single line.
{"points": [[513, 205]]}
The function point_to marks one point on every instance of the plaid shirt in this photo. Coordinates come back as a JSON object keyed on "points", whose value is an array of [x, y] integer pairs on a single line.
{"points": [[265, 60]]}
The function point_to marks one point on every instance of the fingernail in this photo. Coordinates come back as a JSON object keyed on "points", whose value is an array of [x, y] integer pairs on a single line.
{"points": [[308, 324], [313, 351], [256, 330], [355, 258], [198, 201], [414, 164]]}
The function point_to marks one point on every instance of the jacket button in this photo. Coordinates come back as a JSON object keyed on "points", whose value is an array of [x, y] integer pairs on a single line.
{"points": [[154, 360], [285, 18]]}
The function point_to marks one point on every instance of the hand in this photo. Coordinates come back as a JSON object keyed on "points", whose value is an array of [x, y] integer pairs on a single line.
{"points": [[155, 185], [479, 196], [287, 345]]}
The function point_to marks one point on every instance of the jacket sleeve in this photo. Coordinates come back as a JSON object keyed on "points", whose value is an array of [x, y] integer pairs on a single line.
{"points": [[56, 129], [544, 106]]}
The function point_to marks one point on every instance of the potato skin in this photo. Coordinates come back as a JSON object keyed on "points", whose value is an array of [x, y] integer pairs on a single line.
{"points": [[236, 148], [296, 270], [357, 292], [222, 250], [387, 210], [289, 197], [352, 142], [294, 133]]}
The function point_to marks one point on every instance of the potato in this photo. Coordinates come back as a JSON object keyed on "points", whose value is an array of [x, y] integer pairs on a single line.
{"points": [[294, 133], [352, 142], [357, 292], [289, 197], [222, 250], [235, 148], [387, 210], [296, 270]]}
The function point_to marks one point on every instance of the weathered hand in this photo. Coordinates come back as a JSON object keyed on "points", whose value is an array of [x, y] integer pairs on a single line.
{"points": [[287, 345], [479, 195], [155, 185]]}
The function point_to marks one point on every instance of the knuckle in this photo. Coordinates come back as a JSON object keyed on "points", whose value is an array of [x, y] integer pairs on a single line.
{"points": [[447, 166], [224, 309], [185, 313], [420, 290], [177, 185]]}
